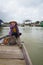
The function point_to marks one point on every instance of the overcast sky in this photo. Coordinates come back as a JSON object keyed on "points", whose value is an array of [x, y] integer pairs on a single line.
{"points": [[20, 10]]}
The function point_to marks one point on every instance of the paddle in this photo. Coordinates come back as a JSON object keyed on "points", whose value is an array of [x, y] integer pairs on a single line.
{"points": [[4, 37], [8, 36]]}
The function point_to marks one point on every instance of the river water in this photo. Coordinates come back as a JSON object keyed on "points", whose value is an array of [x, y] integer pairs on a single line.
{"points": [[33, 40]]}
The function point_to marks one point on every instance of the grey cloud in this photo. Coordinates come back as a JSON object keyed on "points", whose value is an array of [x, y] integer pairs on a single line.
{"points": [[29, 3], [4, 16], [21, 9]]}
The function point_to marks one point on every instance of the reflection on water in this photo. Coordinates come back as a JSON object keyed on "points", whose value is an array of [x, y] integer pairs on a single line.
{"points": [[33, 40]]}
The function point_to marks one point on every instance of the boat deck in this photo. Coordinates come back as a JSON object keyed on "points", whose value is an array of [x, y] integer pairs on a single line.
{"points": [[11, 55]]}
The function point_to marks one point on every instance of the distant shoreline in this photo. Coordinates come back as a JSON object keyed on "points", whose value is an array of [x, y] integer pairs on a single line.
{"points": [[23, 26]]}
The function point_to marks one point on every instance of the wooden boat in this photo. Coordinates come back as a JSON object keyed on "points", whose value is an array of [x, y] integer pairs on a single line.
{"points": [[14, 55]]}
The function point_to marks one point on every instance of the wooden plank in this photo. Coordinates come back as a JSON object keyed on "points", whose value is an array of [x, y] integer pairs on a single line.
{"points": [[11, 52], [9, 47], [12, 62]]}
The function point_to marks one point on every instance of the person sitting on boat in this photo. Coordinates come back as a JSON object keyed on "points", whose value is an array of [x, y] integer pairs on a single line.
{"points": [[14, 31]]}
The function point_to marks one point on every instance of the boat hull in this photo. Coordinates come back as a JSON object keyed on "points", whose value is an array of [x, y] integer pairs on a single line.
{"points": [[14, 55]]}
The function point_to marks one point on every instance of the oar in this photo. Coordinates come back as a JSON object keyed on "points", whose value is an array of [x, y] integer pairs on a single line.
{"points": [[8, 36], [4, 37]]}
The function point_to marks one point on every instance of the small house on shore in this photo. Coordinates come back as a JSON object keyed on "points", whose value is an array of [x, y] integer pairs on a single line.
{"points": [[27, 22]]}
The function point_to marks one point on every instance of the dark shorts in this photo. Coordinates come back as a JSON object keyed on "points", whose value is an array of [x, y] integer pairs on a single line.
{"points": [[15, 34]]}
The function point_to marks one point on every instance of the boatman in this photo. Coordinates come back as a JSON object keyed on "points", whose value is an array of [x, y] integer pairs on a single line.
{"points": [[14, 31], [14, 37]]}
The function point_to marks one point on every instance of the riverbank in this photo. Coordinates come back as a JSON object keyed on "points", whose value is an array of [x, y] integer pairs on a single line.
{"points": [[22, 25]]}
